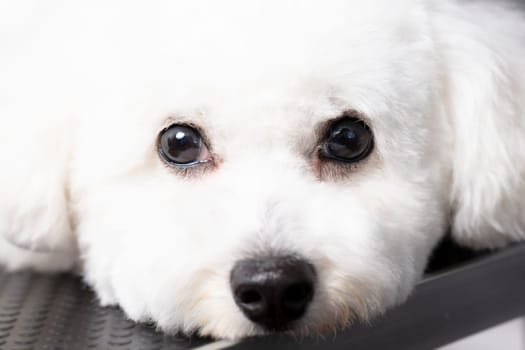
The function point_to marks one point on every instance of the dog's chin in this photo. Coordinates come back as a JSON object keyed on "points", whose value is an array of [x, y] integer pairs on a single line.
{"points": [[301, 329], [319, 330]]}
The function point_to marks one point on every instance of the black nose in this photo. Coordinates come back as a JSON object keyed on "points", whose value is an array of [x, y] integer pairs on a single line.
{"points": [[273, 291]]}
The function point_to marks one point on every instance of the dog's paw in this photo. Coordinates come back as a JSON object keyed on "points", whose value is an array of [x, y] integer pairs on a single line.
{"points": [[13, 258], [34, 217], [500, 226], [34, 210]]}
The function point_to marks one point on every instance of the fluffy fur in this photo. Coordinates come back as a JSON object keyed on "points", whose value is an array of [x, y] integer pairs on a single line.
{"points": [[86, 87]]}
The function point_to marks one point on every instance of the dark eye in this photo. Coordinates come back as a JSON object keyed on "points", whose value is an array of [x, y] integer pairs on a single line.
{"points": [[182, 145], [347, 140]]}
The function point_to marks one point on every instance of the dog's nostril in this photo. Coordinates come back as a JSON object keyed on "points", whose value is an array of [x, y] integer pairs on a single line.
{"points": [[250, 297], [274, 291]]}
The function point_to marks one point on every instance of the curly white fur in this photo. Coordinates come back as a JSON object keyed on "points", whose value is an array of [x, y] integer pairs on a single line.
{"points": [[86, 87]]}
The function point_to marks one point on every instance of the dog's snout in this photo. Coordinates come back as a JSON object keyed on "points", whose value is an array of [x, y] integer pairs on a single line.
{"points": [[274, 291]]}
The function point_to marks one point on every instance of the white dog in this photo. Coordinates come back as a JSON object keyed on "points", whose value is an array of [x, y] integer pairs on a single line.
{"points": [[237, 167]]}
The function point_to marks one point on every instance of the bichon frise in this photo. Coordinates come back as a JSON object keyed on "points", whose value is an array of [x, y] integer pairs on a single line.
{"points": [[237, 167]]}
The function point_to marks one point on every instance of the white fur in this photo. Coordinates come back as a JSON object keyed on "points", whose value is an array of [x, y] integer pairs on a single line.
{"points": [[86, 87]]}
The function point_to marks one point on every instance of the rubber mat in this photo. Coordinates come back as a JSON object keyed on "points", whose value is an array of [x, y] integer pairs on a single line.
{"points": [[59, 313]]}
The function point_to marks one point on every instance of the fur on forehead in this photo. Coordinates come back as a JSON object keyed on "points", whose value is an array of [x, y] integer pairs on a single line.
{"points": [[201, 44], [256, 38]]}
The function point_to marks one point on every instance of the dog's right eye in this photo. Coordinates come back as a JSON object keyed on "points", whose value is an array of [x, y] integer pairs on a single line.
{"points": [[182, 146], [348, 140]]}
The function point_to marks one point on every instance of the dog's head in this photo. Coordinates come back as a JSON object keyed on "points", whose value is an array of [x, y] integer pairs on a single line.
{"points": [[237, 170]]}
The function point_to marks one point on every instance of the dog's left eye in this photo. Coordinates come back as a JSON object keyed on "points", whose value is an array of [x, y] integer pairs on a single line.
{"points": [[182, 145], [348, 140]]}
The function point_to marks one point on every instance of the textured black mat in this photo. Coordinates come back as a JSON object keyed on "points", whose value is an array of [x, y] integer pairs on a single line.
{"points": [[60, 313]]}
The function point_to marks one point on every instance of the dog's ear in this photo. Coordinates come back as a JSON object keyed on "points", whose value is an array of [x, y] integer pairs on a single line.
{"points": [[34, 213], [483, 52]]}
